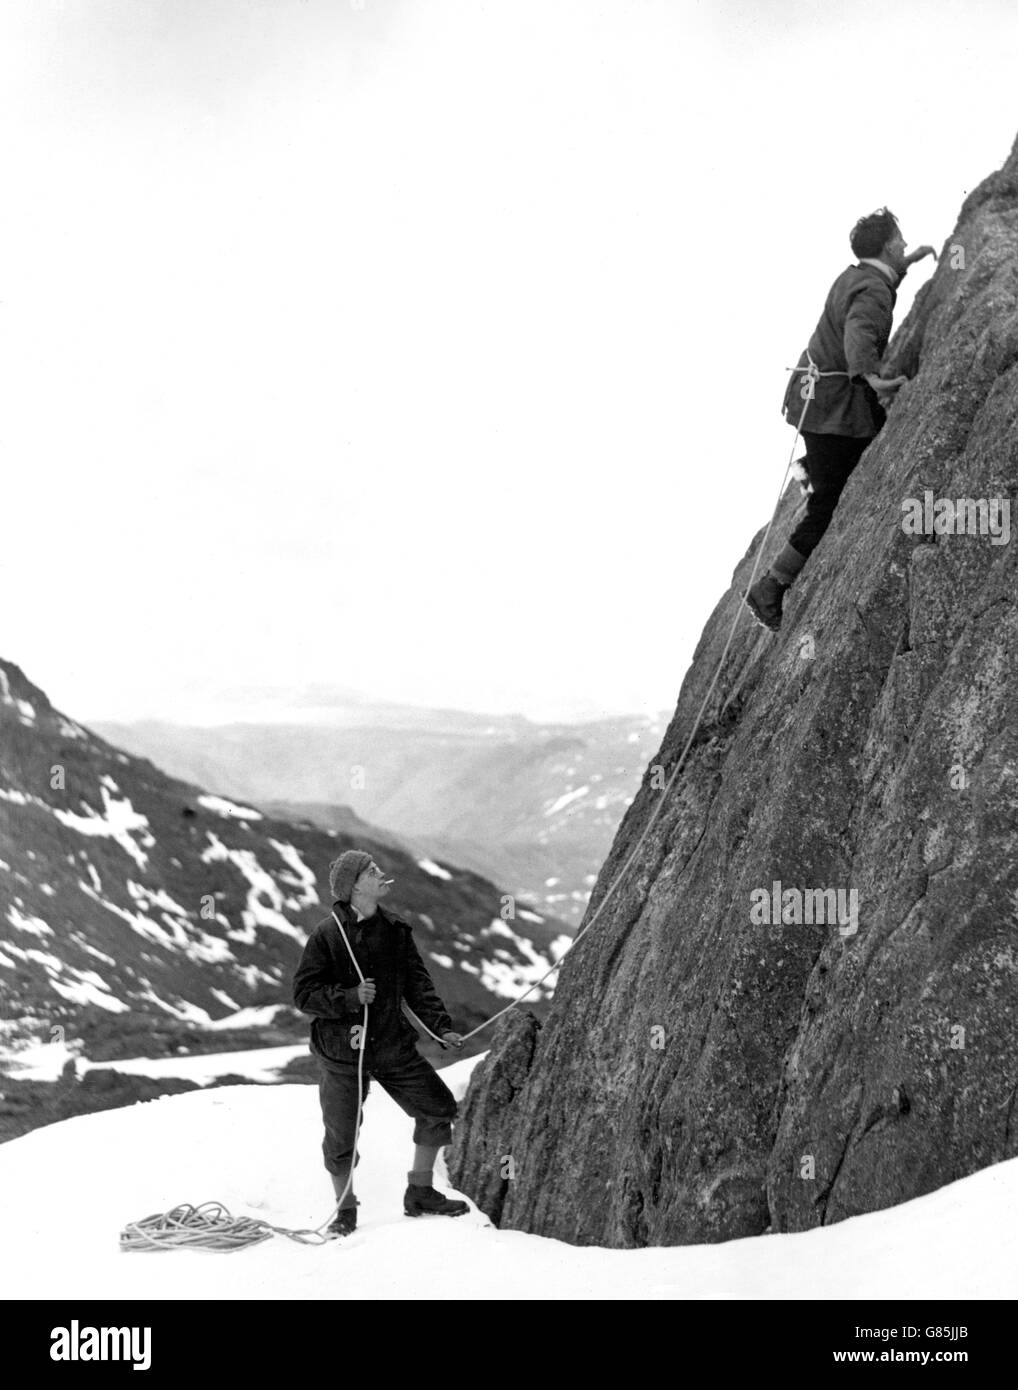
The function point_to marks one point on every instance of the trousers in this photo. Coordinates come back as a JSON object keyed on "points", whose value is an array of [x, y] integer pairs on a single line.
{"points": [[414, 1085], [829, 461]]}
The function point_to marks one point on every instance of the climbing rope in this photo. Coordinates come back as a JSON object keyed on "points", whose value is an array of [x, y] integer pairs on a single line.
{"points": [[811, 373], [211, 1226]]}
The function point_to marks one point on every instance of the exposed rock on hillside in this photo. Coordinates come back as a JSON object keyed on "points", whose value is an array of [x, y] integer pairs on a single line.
{"points": [[704, 1075]]}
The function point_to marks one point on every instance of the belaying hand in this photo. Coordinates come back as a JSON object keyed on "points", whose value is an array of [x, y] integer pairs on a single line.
{"points": [[366, 991], [453, 1039]]}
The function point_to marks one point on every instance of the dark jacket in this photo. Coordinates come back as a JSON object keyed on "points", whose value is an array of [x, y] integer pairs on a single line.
{"points": [[850, 337], [325, 986]]}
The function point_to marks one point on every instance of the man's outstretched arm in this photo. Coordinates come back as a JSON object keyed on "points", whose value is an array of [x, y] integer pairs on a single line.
{"points": [[421, 994], [888, 386]]}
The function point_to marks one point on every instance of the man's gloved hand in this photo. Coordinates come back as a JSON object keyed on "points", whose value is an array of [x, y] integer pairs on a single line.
{"points": [[453, 1039]]}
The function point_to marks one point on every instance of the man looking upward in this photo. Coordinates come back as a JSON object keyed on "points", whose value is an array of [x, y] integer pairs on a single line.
{"points": [[396, 986]]}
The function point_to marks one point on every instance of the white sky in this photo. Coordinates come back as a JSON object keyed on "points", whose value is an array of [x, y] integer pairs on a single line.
{"points": [[387, 346]]}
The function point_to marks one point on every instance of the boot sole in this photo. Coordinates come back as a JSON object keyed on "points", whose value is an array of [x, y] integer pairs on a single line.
{"points": [[433, 1213]]}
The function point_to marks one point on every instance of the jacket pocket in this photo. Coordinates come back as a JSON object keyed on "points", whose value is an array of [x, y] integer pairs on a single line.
{"points": [[331, 1037]]}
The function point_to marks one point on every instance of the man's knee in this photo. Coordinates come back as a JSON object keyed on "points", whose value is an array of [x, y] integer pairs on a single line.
{"points": [[433, 1131]]}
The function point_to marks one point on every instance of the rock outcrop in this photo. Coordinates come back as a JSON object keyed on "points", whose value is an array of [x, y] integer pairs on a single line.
{"points": [[708, 1072]]}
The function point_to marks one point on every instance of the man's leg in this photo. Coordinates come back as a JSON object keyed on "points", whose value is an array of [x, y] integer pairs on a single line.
{"points": [[418, 1089], [337, 1092], [424, 1159], [829, 461]]}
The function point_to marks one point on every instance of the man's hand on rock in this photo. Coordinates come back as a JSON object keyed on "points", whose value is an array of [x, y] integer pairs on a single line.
{"points": [[453, 1039], [885, 386], [919, 253]]}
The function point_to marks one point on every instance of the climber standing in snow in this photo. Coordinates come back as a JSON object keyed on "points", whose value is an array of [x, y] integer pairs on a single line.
{"points": [[396, 986], [848, 407]]}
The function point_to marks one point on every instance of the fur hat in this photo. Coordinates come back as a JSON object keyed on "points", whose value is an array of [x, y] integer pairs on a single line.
{"points": [[345, 871]]}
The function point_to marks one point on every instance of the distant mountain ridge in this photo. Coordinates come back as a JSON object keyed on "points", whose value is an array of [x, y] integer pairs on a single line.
{"points": [[533, 807]]}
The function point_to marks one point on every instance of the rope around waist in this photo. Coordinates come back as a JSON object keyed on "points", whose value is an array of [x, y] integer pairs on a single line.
{"points": [[812, 373]]}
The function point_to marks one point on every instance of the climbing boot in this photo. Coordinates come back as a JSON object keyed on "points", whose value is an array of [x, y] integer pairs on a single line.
{"points": [[345, 1220], [425, 1201], [344, 1223], [764, 601]]}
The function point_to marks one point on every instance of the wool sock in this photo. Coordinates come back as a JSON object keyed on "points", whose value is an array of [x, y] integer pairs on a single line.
{"points": [[787, 564], [338, 1183], [420, 1177]]}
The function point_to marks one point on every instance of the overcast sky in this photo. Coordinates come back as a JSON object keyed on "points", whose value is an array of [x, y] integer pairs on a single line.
{"points": [[432, 349]]}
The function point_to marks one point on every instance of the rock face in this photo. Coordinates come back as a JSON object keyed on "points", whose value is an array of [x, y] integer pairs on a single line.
{"points": [[711, 1069]]}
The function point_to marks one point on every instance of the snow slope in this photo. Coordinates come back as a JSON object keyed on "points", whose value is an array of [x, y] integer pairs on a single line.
{"points": [[67, 1189]]}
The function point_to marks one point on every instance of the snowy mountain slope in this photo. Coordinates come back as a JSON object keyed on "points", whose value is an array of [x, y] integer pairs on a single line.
{"points": [[257, 1151], [132, 903]]}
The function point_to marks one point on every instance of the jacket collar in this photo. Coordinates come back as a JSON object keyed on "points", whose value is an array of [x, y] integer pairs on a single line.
{"points": [[889, 272], [348, 916]]}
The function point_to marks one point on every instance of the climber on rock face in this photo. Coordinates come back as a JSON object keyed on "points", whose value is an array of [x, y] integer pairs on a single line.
{"points": [[847, 409]]}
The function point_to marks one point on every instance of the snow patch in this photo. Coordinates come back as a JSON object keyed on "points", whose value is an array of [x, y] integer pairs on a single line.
{"points": [[261, 885], [118, 822], [301, 878], [79, 940], [86, 991], [187, 1013], [512, 981], [565, 800], [35, 925], [51, 964], [257, 1017], [253, 976], [224, 998], [435, 870], [230, 809], [25, 708]]}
